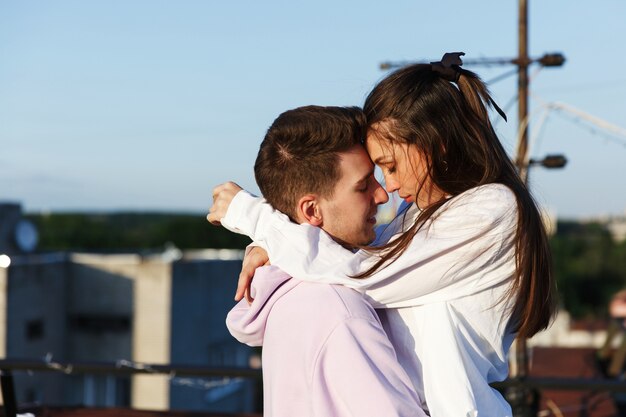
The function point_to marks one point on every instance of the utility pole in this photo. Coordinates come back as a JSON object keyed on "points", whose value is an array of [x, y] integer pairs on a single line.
{"points": [[519, 397], [522, 88]]}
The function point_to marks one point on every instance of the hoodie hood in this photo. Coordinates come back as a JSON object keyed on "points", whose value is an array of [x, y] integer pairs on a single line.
{"points": [[246, 322]]}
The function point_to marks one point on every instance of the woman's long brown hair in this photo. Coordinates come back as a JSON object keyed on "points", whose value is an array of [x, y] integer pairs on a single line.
{"points": [[449, 124]]}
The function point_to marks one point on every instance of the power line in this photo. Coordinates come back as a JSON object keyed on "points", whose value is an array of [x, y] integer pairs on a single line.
{"points": [[594, 124]]}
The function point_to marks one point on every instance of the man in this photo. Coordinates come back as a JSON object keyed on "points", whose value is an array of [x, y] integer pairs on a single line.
{"points": [[324, 350]]}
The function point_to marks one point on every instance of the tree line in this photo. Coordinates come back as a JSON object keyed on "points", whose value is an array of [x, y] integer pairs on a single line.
{"points": [[131, 232], [589, 265]]}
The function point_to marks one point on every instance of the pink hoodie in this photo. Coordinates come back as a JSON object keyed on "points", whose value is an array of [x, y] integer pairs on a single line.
{"points": [[325, 352]]}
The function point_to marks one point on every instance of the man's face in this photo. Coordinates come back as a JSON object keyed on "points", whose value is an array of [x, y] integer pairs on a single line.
{"points": [[349, 215]]}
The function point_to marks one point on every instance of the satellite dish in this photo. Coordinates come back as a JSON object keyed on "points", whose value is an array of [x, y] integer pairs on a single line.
{"points": [[26, 236]]}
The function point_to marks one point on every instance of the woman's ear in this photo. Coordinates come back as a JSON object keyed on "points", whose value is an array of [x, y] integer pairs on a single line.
{"points": [[308, 210]]}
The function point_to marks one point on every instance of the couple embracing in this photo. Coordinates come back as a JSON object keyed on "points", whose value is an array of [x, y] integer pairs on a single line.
{"points": [[462, 269]]}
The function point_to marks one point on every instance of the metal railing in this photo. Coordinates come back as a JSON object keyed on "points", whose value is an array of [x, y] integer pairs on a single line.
{"points": [[119, 368], [532, 385]]}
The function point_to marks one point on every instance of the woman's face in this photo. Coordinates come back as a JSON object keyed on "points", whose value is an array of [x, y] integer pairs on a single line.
{"points": [[403, 165]]}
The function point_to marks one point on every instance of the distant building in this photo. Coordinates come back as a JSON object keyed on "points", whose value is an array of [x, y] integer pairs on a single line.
{"points": [[167, 308], [564, 332], [617, 227]]}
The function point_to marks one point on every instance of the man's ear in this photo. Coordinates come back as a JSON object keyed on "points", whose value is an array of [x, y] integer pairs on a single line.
{"points": [[309, 210]]}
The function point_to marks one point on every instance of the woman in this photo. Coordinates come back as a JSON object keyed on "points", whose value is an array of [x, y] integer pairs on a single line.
{"points": [[463, 269]]}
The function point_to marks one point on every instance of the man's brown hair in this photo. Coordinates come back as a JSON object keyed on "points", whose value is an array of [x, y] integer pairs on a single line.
{"points": [[300, 153]]}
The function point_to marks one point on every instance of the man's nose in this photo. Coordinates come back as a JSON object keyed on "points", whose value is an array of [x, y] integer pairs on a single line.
{"points": [[380, 195], [391, 185]]}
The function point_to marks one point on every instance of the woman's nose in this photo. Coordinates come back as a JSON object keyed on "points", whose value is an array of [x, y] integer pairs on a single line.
{"points": [[391, 184]]}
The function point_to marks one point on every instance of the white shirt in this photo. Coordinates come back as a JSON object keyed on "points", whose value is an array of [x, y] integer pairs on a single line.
{"points": [[447, 310]]}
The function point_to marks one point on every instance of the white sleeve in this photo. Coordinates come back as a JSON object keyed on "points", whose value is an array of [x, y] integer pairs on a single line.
{"points": [[469, 246]]}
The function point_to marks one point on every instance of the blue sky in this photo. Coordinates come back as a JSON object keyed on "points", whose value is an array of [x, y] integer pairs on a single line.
{"points": [[146, 104]]}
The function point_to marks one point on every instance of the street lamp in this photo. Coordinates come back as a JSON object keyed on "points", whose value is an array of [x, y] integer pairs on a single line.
{"points": [[549, 161], [5, 261]]}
